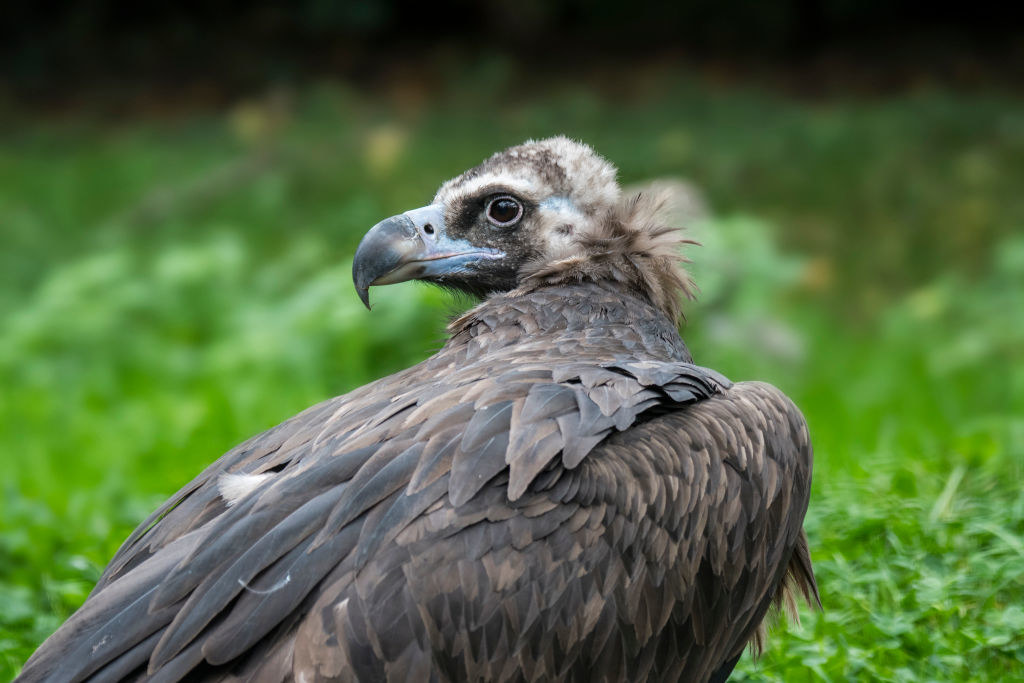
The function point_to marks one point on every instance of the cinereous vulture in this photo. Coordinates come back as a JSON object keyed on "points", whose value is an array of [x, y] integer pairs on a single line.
{"points": [[558, 494]]}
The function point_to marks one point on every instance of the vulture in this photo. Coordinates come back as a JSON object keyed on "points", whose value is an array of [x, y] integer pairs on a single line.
{"points": [[558, 494]]}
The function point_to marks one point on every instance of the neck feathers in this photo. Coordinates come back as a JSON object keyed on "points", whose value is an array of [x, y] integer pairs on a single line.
{"points": [[631, 246]]}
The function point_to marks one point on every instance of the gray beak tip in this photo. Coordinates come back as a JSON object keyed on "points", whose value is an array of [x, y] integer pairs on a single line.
{"points": [[364, 296], [362, 284]]}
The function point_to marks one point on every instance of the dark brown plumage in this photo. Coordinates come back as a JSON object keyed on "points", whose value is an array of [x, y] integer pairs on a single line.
{"points": [[558, 494]]}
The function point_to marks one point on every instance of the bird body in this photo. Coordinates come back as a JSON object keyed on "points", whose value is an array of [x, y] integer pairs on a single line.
{"points": [[558, 494]]}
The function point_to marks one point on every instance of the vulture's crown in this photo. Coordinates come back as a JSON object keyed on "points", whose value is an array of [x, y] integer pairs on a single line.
{"points": [[558, 494]]}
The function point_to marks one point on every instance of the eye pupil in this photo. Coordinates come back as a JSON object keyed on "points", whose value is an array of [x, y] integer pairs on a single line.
{"points": [[504, 210]]}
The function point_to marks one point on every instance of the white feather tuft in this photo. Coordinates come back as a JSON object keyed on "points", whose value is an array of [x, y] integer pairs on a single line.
{"points": [[234, 487]]}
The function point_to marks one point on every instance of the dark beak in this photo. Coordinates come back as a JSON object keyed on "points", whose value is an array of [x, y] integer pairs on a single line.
{"points": [[411, 246]]}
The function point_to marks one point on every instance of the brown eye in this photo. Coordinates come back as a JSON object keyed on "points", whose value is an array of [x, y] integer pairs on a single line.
{"points": [[503, 211]]}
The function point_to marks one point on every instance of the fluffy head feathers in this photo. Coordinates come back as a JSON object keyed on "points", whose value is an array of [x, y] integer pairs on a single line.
{"points": [[541, 169], [629, 245]]}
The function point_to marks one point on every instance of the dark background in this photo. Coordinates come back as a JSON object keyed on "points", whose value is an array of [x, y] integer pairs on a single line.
{"points": [[53, 52]]}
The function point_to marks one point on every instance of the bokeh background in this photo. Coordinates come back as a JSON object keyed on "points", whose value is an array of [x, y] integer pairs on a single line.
{"points": [[181, 194]]}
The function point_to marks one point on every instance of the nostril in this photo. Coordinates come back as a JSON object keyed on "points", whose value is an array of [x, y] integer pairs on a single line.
{"points": [[428, 229]]}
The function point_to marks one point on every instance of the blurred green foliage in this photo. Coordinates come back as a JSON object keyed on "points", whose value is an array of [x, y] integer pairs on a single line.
{"points": [[168, 288]]}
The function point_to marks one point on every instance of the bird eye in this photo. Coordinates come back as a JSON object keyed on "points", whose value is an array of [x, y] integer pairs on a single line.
{"points": [[504, 211]]}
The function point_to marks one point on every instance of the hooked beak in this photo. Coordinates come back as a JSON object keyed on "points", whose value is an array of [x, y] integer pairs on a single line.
{"points": [[412, 245]]}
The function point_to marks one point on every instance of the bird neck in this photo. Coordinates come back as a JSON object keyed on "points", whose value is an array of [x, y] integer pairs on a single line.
{"points": [[605, 316]]}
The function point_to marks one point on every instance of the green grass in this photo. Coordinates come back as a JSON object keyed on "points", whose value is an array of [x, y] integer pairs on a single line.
{"points": [[169, 288]]}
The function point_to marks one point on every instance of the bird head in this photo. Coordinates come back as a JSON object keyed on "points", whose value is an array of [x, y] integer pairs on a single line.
{"points": [[541, 213]]}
